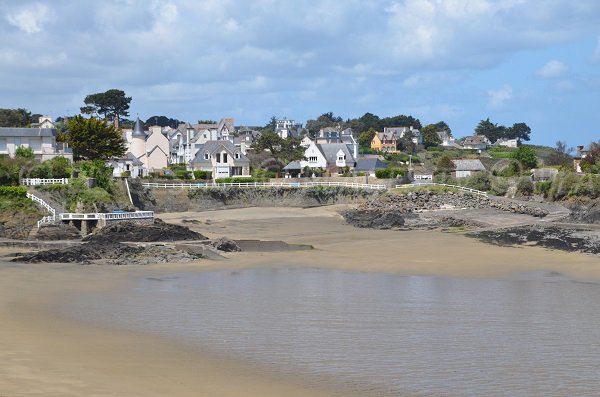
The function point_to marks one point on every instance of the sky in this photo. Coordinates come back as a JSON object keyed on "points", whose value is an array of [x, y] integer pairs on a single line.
{"points": [[460, 61]]}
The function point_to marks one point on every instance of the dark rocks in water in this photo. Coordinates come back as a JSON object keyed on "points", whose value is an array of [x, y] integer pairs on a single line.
{"points": [[552, 237], [58, 231], [226, 245], [135, 232]]}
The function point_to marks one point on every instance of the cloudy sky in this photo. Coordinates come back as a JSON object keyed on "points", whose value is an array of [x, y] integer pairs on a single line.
{"points": [[460, 61]]}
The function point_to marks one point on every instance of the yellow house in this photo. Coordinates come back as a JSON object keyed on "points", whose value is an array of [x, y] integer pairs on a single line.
{"points": [[384, 142]]}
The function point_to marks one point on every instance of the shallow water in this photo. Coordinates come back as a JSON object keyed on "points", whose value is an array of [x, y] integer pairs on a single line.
{"points": [[535, 335]]}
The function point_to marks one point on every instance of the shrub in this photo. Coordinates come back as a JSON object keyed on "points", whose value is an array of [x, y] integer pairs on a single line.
{"points": [[479, 181], [238, 180], [562, 185], [204, 175], [183, 174], [41, 171], [24, 152], [13, 192], [543, 188], [125, 173], [525, 186], [499, 186], [389, 173], [97, 169]]}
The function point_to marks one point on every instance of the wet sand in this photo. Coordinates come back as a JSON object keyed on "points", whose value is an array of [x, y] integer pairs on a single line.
{"points": [[42, 352]]}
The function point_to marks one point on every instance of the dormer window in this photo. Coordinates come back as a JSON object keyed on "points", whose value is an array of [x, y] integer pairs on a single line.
{"points": [[237, 156], [206, 156]]}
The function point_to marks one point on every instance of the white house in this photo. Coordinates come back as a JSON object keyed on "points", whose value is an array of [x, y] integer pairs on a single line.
{"points": [[479, 142], [41, 140], [512, 143], [465, 168], [222, 159], [333, 157], [128, 165]]}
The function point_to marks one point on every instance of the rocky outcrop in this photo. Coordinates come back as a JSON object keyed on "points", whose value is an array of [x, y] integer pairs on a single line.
{"points": [[553, 237], [226, 245], [58, 231], [584, 211], [409, 210], [133, 232]]}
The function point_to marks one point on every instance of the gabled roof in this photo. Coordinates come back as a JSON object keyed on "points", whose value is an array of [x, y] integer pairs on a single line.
{"points": [[369, 164], [330, 151], [293, 166], [211, 147], [468, 165], [476, 140], [27, 132]]}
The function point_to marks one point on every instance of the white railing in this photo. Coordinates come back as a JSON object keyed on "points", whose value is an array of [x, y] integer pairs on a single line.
{"points": [[262, 184], [106, 215], [47, 219], [465, 189], [42, 181]]}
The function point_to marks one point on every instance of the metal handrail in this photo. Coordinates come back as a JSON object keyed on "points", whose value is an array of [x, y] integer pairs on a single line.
{"points": [[106, 215], [46, 219], [463, 188], [261, 184], [44, 181]]}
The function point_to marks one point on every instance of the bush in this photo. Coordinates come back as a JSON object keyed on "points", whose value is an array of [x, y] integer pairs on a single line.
{"points": [[389, 173], [60, 167], [97, 169], [499, 186], [24, 152], [203, 175], [41, 171], [13, 192], [183, 174], [125, 173], [239, 180], [479, 181], [562, 185], [525, 186], [543, 188]]}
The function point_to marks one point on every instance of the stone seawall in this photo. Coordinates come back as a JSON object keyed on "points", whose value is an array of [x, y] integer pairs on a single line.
{"points": [[205, 199]]}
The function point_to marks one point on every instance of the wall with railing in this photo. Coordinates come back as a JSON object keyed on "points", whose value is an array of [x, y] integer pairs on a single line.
{"points": [[44, 181], [106, 216], [261, 184], [463, 188]]}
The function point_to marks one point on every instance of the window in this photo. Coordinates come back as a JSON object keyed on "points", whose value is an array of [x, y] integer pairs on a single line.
{"points": [[206, 156], [218, 157], [312, 159], [237, 156], [225, 157]]}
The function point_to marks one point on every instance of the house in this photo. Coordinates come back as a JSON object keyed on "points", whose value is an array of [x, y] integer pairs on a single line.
{"points": [[151, 148], [44, 122], [422, 174], [41, 140], [511, 143], [246, 138], [581, 152], [287, 128], [543, 174], [384, 142], [465, 168], [369, 165], [222, 159], [334, 157], [293, 169], [400, 132], [329, 135], [446, 138], [128, 165], [478, 142]]}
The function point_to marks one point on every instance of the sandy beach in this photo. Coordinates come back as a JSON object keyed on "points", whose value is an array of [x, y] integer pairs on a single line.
{"points": [[45, 353]]}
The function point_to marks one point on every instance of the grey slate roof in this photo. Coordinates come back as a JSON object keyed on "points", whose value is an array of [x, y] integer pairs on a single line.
{"points": [[211, 147], [330, 150], [369, 164], [138, 128], [27, 132], [293, 166], [468, 165]]}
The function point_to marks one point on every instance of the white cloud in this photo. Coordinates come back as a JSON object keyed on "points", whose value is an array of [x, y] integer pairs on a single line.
{"points": [[497, 98], [30, 19], [552, 70]]}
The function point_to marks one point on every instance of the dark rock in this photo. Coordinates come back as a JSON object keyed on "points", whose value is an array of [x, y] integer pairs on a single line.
{"points": [[135, 232], [58, 231], [226, 245]]}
